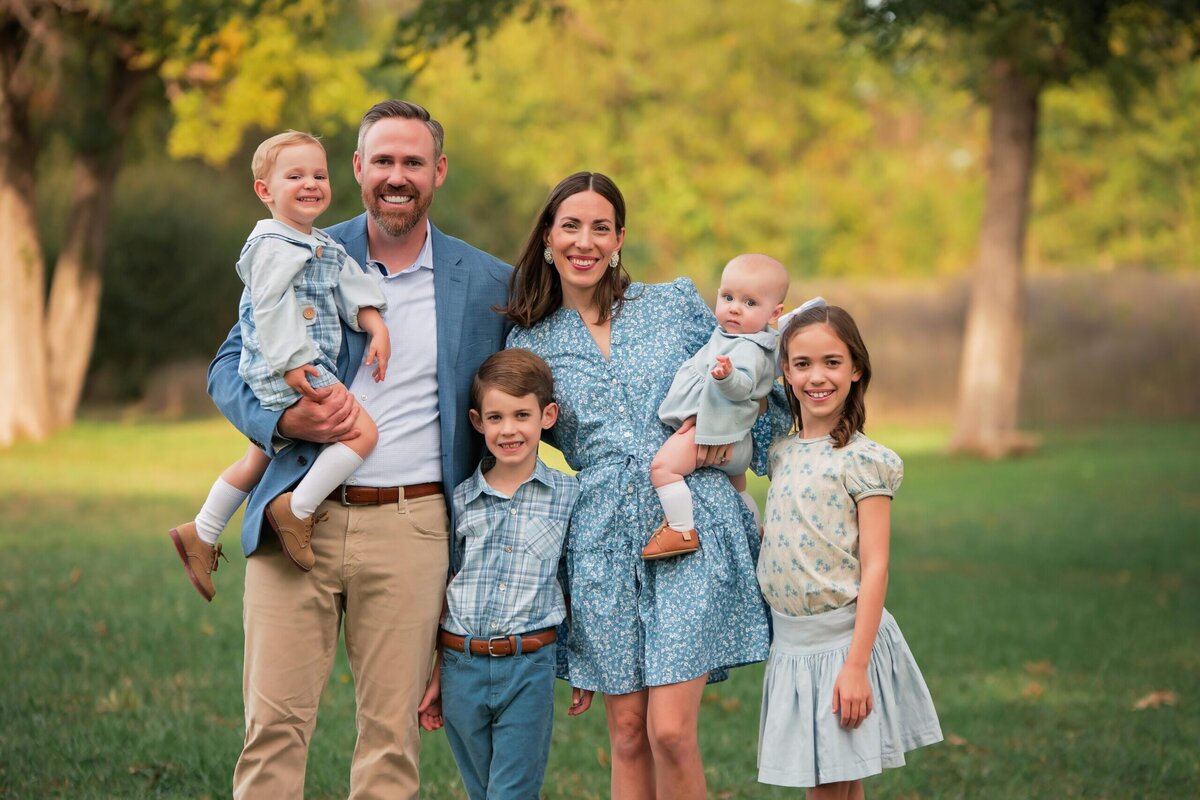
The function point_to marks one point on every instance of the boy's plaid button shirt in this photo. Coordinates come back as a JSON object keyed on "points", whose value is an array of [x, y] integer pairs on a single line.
{"points": [[507, 554]]}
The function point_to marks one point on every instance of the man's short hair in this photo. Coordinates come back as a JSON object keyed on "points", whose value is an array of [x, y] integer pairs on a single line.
{"points": [[402, 109], [515, 372], [268, 152]]}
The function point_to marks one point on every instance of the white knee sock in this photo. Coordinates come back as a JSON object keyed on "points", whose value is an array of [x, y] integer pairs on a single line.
{"points": [[333, 466], [223, 501], [676, 499], [752, 505]]}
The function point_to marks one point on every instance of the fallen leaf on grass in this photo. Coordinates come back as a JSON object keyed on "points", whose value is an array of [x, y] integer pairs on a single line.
{"points": [[100, 628], [954, 740], [122, 700], [1039, 668], [1032, 691], [730, 704], [76, 574], [1156, 699], [602, 756], [207, 629]]}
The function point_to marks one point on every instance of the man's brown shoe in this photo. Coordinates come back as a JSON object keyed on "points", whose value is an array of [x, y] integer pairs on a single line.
{"points": [[666, 542], [294, 533], [199, 558]]}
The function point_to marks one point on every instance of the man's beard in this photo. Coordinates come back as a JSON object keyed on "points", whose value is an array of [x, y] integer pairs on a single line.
{"points": [[397, 221]]}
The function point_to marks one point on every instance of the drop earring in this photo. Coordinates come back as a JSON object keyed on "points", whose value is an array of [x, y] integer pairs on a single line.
{"points": [[614, 259], [548, 254]]}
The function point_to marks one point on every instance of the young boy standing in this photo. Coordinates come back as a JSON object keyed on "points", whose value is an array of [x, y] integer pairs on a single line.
{"points": [[493, 684]]}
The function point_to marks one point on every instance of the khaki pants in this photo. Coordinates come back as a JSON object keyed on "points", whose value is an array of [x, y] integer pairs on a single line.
{"points": [[381, 570]]}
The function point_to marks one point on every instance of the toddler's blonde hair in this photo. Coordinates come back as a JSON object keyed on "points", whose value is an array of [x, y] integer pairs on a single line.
{"points": [[268, 152]]}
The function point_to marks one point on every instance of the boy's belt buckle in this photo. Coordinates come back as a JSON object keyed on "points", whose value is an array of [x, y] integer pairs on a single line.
{"points": [[491, 650]]}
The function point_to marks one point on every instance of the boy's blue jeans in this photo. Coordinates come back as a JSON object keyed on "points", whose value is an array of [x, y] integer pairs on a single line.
{"points": [[499, 713]]}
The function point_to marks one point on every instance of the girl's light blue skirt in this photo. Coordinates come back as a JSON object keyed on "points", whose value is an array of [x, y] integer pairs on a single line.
{"points": [[800, 740]]}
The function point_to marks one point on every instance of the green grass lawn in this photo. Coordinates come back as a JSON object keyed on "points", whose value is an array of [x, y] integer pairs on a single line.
{"points": [[1043, 598]]}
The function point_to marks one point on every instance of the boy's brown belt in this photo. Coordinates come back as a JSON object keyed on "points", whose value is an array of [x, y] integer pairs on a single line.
{"points": [[378, 495], [498, 646]]}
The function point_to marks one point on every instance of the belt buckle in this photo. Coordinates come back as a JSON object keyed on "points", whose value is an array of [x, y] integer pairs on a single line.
{"points": [[492, 652], [342, 496]]}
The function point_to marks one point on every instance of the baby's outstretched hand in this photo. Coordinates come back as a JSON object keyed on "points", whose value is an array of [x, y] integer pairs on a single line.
{"points": [[298, 379], [723, 369], [379, 352]]}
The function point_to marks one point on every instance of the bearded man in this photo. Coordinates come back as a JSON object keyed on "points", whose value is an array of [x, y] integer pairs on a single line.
{"points": [[382, 540]]}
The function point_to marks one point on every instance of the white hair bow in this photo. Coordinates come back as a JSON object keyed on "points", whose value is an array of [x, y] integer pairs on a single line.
{"points": [[816, 302]]}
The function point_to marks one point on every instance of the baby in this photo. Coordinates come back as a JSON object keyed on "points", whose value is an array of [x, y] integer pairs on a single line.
{"points": [[720, 386]]}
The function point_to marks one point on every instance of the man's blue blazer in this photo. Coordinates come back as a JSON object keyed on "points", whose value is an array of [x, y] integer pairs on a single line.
{"points": [[467, 283]]}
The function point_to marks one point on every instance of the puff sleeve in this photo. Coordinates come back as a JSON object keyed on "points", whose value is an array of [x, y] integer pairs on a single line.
{"points": [[700, 316], [873, 470]]}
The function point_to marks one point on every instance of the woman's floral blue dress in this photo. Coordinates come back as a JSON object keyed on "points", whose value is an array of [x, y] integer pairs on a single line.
{"points": [[635, 623]]}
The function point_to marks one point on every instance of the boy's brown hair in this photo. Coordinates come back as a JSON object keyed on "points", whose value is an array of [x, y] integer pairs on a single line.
{"points": [[268, 152], [515, 372]]}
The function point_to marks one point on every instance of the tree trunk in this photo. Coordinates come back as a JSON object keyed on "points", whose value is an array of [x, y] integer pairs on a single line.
{"points": [[24, 410], [74, 304], [990, 371]]}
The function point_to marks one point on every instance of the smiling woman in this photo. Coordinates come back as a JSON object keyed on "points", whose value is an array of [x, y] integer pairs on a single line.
{"points": [[648, 635]]}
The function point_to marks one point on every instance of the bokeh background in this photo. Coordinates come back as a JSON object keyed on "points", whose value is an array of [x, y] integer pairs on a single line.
{"points": [[1051, 598]]}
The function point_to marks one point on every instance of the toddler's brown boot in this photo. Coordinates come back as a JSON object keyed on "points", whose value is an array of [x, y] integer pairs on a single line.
{"points": [[199, 558], [294, 533], [666, 542]]}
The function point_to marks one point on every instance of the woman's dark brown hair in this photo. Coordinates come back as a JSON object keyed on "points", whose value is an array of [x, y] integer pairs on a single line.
{"points": [[535, 291], [854, 412]]}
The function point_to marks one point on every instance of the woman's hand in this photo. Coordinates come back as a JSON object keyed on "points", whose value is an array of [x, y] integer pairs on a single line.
{"points": [[581, 701], [713, 455], [707, 455], [852, 696]]}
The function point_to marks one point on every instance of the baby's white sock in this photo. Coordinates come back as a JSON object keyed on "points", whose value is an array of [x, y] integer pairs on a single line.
{"points": [[333, 466], [752, 505], [676, 499], [223, 501]]}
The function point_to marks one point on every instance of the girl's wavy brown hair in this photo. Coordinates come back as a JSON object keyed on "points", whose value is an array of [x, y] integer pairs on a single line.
{"points": [[854, 413]]}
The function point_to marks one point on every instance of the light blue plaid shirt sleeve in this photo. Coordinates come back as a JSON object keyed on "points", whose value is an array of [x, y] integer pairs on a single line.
{"points": [[506, 555]]}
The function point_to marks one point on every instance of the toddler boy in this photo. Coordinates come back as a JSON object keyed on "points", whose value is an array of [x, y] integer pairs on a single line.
{"points": [[493, 684]]}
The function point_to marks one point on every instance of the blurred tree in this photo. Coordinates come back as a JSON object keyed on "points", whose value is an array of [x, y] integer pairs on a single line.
{"points": [[1014, 49], [80, 71], [728, 127]]}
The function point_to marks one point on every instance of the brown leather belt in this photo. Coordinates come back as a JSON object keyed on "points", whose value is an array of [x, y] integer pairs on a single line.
{"points": [[378, 495], [498, 646]]}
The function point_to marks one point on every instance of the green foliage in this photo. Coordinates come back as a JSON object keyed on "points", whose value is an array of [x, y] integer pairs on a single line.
{"points": [[1038, 623], [760, 127], [1130, 41], [310, 65]]}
